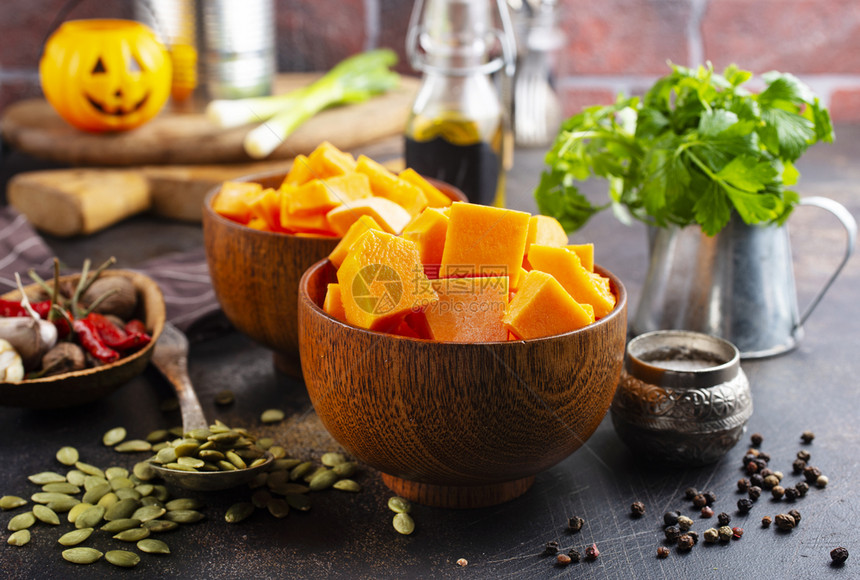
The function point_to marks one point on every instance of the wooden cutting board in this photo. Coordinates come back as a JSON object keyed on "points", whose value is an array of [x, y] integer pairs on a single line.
{"points": [[173, 137]]}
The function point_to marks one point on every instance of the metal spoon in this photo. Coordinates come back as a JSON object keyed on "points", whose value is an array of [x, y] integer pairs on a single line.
{"points": [[170, 356]]}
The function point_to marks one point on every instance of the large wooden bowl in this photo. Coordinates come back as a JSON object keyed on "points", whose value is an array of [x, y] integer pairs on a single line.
{"points": [[457, 424], [88, 385], [256, 275]]}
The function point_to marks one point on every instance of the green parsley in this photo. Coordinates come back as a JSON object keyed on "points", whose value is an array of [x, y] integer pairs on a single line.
{"points": [[696, 147]]}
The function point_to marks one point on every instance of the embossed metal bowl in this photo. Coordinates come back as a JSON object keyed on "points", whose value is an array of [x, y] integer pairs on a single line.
{"points": [[682, 397]]}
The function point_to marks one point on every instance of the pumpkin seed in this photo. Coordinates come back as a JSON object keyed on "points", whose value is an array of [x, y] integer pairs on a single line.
{"points": [[149, 512], [235, 459], [278, 507], [198, 434], [166, 455], [347, 485], [184, 503], [238, 512], [159, 526], [225, 438], [404, 524], [224, 398], [90, 469], [184, 516], [176, 431], [332, 459], [10, 502], [82, 555], [61, 506], [143, 470], [122, 509], [157, 435], [19, 538], [76, 477], [265, 442], [160, 493], [114, 472], [145, 490], [272, 416], [91, 481], [108, 500], [90, 518], [46, 515], [186, 447], [180, 467], [211, 455], [313, 473], [21, 522], [322, 480], [282, 464], [68, 455], [285, 488], [277, 478], [301, 470], [150, 500], [78, 510], [156, 447], [114, 436], [151, 546], [260, 498], [345, 469], [122, 558], [298, 501], [226, 466], [96, 493], [399, 505], [121, 525], [62, 487], [132, 534], [46, 477], [127, 494], [279, 452], [48, 496], [191, 462], [75, 537], [134, 446]]}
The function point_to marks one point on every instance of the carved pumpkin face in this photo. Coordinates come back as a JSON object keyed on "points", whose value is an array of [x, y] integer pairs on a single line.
{"points": [[105, 75]]}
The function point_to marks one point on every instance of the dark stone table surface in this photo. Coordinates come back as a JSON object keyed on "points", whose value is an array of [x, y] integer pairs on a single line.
{"points": [[351, 536]]}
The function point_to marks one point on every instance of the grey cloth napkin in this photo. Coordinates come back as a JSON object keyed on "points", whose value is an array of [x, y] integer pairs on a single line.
{"points": [[183, 277]]}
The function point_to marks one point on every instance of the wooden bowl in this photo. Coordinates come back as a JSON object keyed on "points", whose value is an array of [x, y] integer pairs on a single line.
{"points": [[87, 385], [458, 424], [256, 274]]}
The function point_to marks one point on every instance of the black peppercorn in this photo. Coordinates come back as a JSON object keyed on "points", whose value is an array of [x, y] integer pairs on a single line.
{"points": [[551, 548], [695, 535], [804, 455], [707, 512], [744, 505], [637, 509], [791, 493], [700, 501], [802, 487], [798, 466], [764, 457], [839, 555], [766, 471], [777, 492], [765, 521], [807, 436], [754, 492], [691, 492], [672, 533], [796, 515], [591, 552], [723, 518], [784, 522], [743, 484], [756, 480], [750, 457], [562, 559], [662, 552], [756, 439], [811, 473], [710, 497], [671, 518], [575, 524], [737, 533], [751, 467], [574, 556], [685, 543]]}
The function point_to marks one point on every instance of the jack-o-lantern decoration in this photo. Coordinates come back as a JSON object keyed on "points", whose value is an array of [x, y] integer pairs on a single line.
{"points": [[105, 75]]}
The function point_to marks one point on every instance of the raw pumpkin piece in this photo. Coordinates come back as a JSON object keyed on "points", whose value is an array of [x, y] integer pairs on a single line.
{"points": [[381, 281], [329, 161], [300, 172], [350, 187], [520, 277], [355, 231], [256, 223], [315, 196], [546, 231], [428, 231], [469, 309], [311, 223], [232, 200], [488, 241], [267, 207], [542, 307], [333, 303], [386, 184], [391, 217], [567, 268], [435, 198], [585, 253]]}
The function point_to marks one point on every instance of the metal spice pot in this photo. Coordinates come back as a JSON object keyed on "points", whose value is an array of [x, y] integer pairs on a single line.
{"points": [[682, 397]]}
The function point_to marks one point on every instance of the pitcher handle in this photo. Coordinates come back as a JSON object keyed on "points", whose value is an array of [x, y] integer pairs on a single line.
{"points": [[850, 224]]}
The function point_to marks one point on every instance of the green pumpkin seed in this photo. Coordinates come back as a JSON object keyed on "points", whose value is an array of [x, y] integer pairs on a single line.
{"points": [[144, 489], [46, 515], [301, 470], [272, 416], [68, 455], [198, 434], [282, 464], [298, 501], [323, 480], [184, 503], [82, 555], [224, 398], [265, 442], [227, 466], [211, 455], [156, 447], [108, 500], [115, 471], [160, 492], [149, 512], [75, 537], [76, 477], [10, 502], [399, 505], [46, 477], [150, 500], [90, 518], [225, 438], [166, 455], [279, 452], [157, 435], [184, 516], [279, 508], [332, 459], [61, 506], [132, 534], [90, 469], [96, 493], [120, 482], [277, 478], [78, 510], [143, 470], [180, 467], [191, 462], [313, 473], [114, 436], [151, 546], [48, 496], [238, 512], [122, 558], [345, 469], [235, 459], [186, 447], [62, 487], [121, 525], [91, 481], [347, 485], [127, 494], [134, 446], [176, 431], [21, 522], [259, 480], [404, 524], [159, 526], [19, 538]]}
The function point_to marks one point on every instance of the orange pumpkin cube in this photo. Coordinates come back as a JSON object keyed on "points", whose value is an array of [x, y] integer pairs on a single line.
{"points": [[350, 187], [333, 303], [542, 307], [546, 231], [581, 284], [386, 184], [232, 200], [300, 172], [267, 207], [469, 309], [435, 198], [315, 196], [485, 241], [390, 216], [381, 281], [428, 231], [585, 253], [355, 231], [329, 161]]}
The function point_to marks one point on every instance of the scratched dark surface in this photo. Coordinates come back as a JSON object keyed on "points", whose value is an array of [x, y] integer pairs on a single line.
{"points": [[351, 536]]}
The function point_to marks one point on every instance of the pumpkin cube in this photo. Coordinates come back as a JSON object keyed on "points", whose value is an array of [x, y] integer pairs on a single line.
{"points": [[390, 216], [546, 231], [267, 207], [585, 253], [381, 281], [300, 172], [485, 241], [333, 303], [329, 161], [542, 307], [306, 223], [428, 231], [469, 309], [581, 284], [435, 198], [355, 231], [312, 197], [232, 200], [386, 184]]}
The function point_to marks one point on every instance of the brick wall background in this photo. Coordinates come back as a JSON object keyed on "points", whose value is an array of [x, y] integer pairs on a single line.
{"points": [[612, 45]]}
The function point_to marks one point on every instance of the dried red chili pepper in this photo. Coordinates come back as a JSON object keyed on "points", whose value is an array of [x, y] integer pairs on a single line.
{"points": [[111, 334], [135, 325], [89, 338]]}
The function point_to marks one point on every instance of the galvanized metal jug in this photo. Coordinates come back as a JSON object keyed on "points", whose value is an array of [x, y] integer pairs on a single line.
{"points": [[737, 285]]}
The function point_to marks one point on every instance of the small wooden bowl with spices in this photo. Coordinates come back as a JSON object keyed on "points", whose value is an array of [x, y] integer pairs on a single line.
{"points": [[86, 385], [458, 424]]}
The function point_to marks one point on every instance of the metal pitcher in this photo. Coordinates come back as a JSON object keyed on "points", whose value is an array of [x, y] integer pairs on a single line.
{"points": [[737, 285]]}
